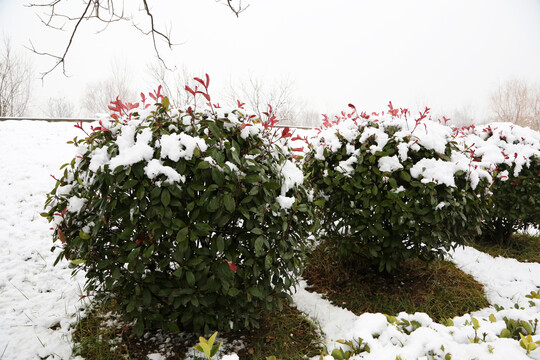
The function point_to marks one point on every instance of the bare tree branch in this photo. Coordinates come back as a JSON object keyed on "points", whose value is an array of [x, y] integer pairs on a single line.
{"points": [[61, 59], [517, 101], [15, 79], [258, 94], [106, 11], [236, 10]]}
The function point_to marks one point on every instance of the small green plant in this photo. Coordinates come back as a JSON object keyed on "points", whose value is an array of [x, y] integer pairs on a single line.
{"points": [[407, 326], [355, 347], [207, 347], [528, 343], [340, 354], [533, 295], [476, 339], [516, 328]]}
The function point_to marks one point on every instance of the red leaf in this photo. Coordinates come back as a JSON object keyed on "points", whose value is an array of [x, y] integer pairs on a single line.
{"points": [[286, 132], [206, 96], [190, 90], [131, 106], [200, 81], [61, 236], [232, 265], [240, 104]]}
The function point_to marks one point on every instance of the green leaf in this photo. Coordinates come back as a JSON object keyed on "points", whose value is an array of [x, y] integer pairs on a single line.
{"points": [[259, 242], [165, 197], [138, 329], [256, 292], [229, 203], [203, 229], [190, 278], [253, 178], [129, 184], [272, 185], [178, 272], [405, 176], [257, 231], [215, 130], [140, 192], [166, 103], [203, 165], [181, 236], [213, 204], [220, 243], [319, 203], [78, 261], [84, 235]]}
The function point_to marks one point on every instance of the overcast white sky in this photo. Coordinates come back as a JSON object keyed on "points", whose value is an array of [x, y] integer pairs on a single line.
{"points": [[446, 54]]}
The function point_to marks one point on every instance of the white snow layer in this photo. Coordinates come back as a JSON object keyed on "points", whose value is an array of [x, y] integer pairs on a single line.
{"points": [[503, 143], [38, 302], [176, 146], [389, 164], [430, 134]]}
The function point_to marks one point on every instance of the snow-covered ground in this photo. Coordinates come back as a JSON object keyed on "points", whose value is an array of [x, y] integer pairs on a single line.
{"points": [[39, 302]]}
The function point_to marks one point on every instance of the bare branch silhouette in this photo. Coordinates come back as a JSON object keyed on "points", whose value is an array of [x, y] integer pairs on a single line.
{"points": [[106, 11]]}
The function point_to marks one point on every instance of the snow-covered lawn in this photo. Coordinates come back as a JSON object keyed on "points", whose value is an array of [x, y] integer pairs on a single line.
{"points": [[39, 302]]}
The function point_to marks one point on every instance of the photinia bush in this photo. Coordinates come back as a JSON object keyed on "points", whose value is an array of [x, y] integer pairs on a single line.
{"points": [[514, 153], [188, 219], [391, 187]]}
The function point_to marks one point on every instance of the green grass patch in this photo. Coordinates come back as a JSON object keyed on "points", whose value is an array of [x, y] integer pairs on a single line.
{"points": [[439, 288], [94, 339], [522, 247], [287, 335]]}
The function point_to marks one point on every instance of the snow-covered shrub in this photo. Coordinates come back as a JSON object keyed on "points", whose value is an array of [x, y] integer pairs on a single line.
{"points": [[187, 219], [391, 187], [514, 153]]}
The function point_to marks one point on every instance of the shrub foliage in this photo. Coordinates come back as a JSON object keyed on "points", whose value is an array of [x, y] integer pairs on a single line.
{"points": [[392, 187], [514, 153], [189, 219]]}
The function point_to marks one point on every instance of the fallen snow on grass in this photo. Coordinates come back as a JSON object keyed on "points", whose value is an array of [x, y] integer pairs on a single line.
{"points": [[38, 302], [506, 283]]}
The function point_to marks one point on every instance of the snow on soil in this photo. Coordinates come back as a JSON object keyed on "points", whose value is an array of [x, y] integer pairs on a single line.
{"points": [[39, 303]]}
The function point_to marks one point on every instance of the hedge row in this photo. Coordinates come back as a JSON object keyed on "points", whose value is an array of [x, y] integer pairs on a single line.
{"points": [[196, 219]]}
